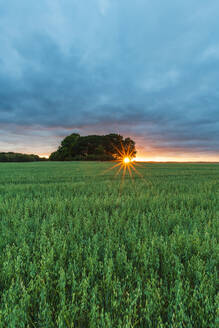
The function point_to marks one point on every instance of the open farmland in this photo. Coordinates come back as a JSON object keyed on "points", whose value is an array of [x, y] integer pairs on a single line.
{"points": [[77, 250]]}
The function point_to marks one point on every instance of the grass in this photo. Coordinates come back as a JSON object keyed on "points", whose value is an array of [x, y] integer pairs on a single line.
{"points": [[77, 250]]}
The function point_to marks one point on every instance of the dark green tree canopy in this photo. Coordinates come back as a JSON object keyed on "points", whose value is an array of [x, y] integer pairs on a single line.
{"points": [[94, 147], [17, 157]]}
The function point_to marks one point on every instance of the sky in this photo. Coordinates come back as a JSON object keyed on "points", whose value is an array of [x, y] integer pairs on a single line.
{"points": [[144, 69]]}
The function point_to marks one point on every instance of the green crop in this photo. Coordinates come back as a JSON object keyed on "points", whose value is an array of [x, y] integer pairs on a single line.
{"points": [[78, 249]]}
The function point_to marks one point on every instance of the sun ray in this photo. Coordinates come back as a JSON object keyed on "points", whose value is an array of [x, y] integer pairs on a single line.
{"points": [[125, 163], [123, 177], [119, 170], [118, 150], [139, 174], [111, 168], [130, 173]]}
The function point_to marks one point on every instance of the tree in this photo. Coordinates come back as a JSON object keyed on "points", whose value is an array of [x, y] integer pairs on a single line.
{"points": [[17, 157], [94, 147]]}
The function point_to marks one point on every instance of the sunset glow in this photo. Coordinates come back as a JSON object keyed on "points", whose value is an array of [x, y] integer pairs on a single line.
{"points": [[179, 159], [163, 158]]}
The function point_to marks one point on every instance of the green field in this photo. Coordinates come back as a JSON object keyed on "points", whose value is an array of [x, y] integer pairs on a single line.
{"points": [[77, 249]]}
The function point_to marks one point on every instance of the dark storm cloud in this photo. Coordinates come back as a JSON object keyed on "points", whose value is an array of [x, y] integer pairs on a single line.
{"points": [[141, 67]]}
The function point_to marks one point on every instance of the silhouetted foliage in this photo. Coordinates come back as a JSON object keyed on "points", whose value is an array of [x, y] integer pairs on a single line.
{"points": [[93, 148], [17, 157]]}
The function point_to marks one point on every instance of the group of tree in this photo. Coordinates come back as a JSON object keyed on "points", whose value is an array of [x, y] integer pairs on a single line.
{"points": [[17, 157], [79, 148], [93, 147]]}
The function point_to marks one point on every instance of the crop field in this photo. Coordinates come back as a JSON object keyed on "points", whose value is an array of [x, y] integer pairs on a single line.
{"points": [[79, 248]]}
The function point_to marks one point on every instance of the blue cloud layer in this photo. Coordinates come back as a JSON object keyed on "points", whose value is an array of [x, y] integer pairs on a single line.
{"points": [[141, 67]]}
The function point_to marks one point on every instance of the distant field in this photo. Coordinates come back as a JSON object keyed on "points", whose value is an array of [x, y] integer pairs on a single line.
{"points": [[77, 249]]}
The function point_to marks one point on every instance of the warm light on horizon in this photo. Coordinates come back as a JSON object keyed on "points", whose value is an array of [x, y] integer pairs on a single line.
{"points": [[158, 159], [177, 159], [162, 158], [43, 156]]}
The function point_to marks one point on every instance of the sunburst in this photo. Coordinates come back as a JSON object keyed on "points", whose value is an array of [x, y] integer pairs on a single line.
{"points": [[125, 162]]}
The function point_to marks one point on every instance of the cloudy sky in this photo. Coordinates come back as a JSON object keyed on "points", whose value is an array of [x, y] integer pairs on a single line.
{"points": [[145, 69]]}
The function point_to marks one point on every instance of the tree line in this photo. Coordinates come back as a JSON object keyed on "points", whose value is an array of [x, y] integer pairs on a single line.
{"points": [[82, 148], [18, 157]]}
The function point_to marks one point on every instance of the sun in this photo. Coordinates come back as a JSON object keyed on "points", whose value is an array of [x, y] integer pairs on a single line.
{"points": [[126, 160]]}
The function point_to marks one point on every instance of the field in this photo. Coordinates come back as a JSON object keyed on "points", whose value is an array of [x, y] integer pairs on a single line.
{"points": [[77, 249]]}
